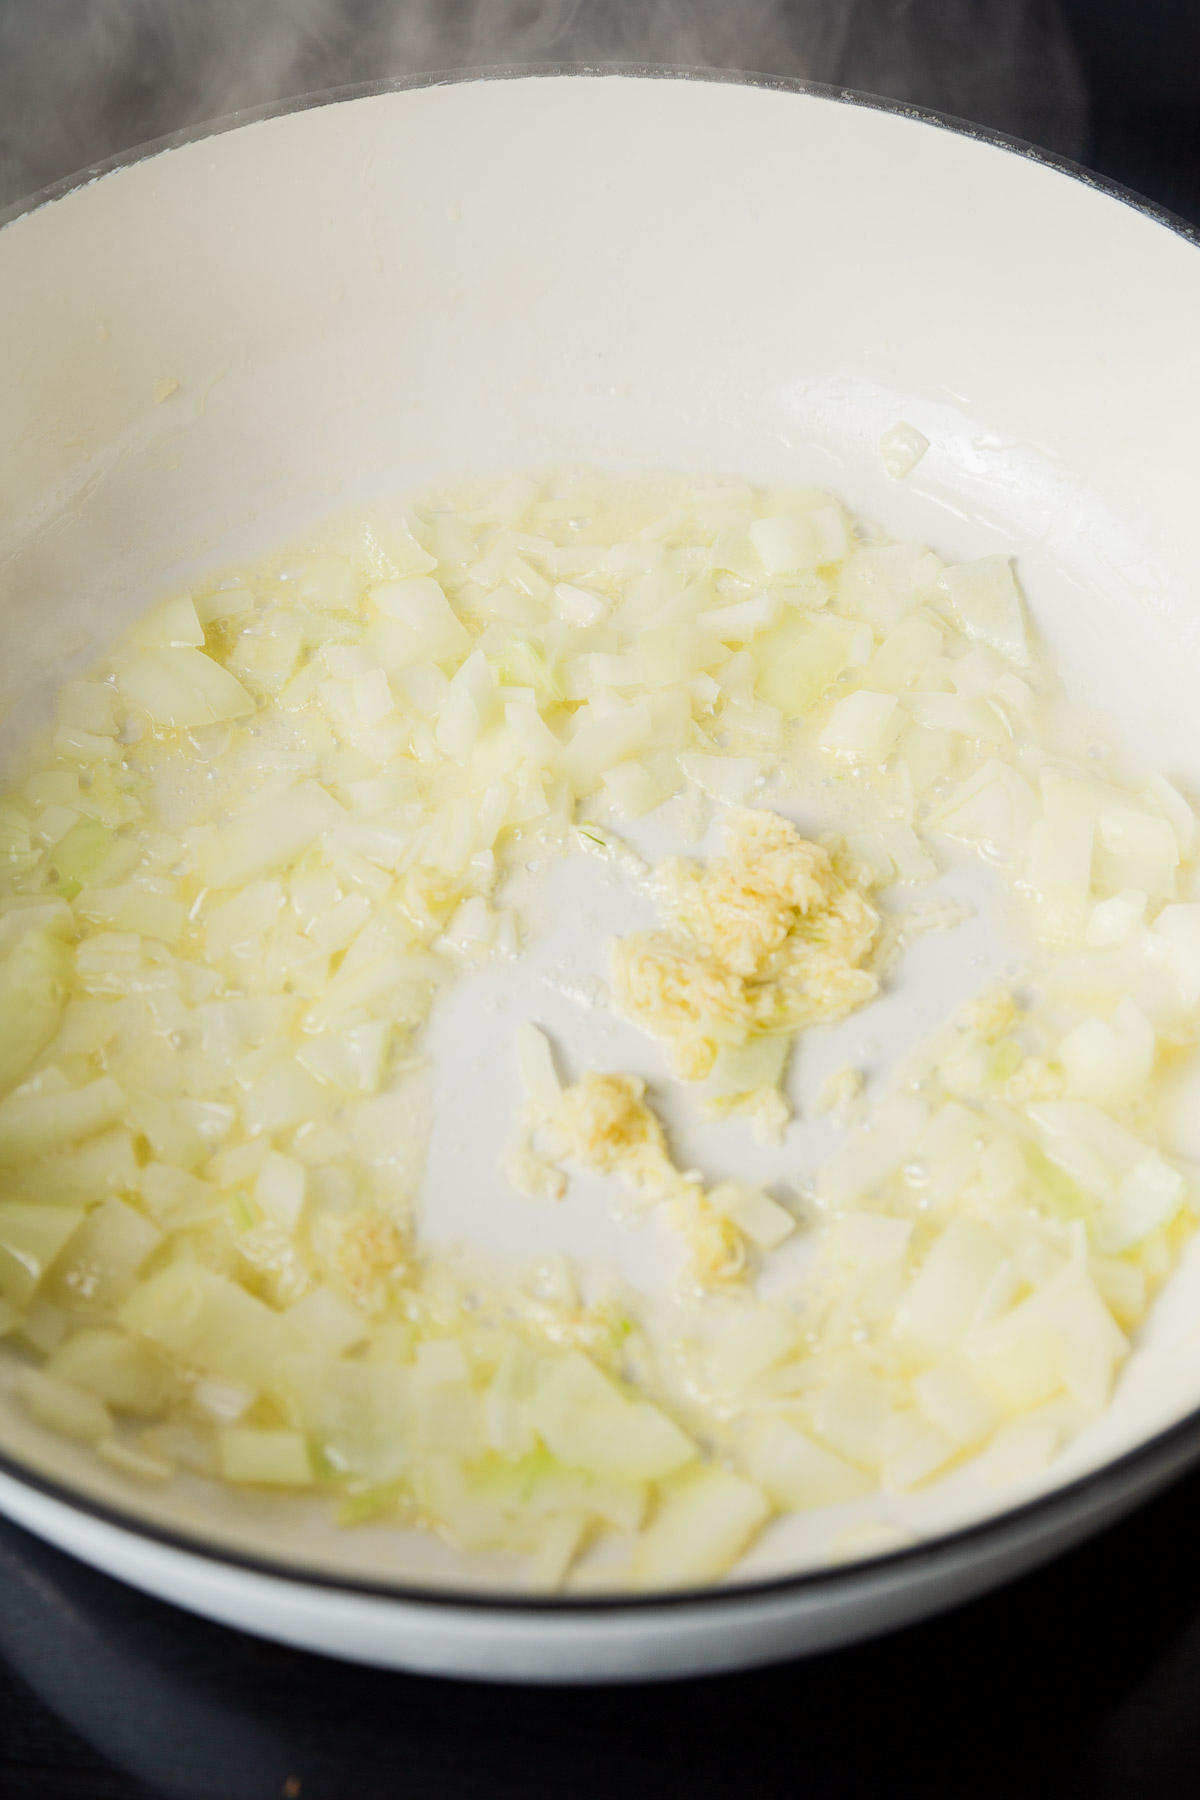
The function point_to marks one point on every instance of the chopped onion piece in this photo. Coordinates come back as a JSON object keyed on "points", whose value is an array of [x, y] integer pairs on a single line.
{"points": [[32, 1234], [732, 779], [984, 595], [902, 656], [577, 604], [738, 623], [703, 1526], [539, 1077], [1109, 1064], [63, 1408], [996, 805], [874, 1153], [1112, 921], [798, 661], [951, 712], [172, 625], [633, 789], [268, 1458], [1171, 803], [327, 1321], [420, 606], [797, 1473], [863, 724], [1178, 928], [585, 1422], [224, 1401], [755, 1214], [269, 837], [785, 545], [330, 583], [902, 446], [603, 742], [33, 1125], [852, 1415], [33, 978], [279, 1190], [211, 1323], [884, 582], [466, 705], [1059, 862], [123, 1372], [939, 1304], [182, 688], [954, 1402]]}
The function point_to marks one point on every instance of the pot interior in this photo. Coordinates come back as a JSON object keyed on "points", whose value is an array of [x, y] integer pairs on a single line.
{"points": [[211, 350]]}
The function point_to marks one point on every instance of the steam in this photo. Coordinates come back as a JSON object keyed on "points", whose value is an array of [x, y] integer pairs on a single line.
{"points": [[83, 79]]}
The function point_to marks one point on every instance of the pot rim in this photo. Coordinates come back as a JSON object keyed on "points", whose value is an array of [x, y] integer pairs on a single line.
{"points": [[699, 73]]}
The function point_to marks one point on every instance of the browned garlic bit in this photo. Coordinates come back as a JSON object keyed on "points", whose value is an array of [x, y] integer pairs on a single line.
{"points": [[604, 1123]]}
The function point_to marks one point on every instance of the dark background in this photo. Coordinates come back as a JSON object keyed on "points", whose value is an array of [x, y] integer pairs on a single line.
{"points": [[1114, 84], [1082, 1680]]}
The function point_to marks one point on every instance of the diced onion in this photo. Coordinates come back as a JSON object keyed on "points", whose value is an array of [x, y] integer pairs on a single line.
{"points": [[285, 811], [902, 446]]}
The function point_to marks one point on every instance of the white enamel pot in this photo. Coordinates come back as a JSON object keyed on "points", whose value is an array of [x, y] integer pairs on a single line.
{"points": [[214, 342]]}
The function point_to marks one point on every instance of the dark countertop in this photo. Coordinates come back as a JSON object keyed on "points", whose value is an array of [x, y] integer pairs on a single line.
{"points": [[1080, 1680]]}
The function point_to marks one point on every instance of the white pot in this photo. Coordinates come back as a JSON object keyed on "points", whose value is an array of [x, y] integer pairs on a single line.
{"points": [[440, 281]]}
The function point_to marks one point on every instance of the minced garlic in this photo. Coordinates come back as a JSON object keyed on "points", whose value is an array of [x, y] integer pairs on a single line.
{"points": [[603, 1123], [766, 940]]}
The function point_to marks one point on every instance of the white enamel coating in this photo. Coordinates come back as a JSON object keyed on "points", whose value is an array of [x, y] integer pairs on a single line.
{"points": [[428, 285]]}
